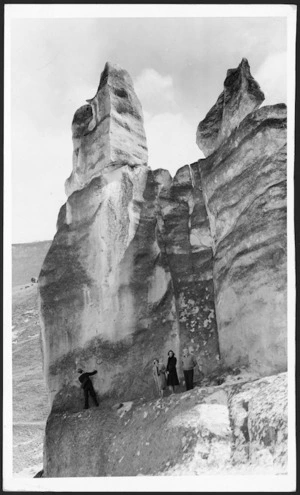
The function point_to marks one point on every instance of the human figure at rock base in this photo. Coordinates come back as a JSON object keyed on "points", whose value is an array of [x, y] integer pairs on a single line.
{"points": [[87, 386], [188, 364], [172, 378], [159, 376]]}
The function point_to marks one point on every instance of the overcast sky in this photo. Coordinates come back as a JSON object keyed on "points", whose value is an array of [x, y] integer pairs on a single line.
{"points": [[178, 66]]}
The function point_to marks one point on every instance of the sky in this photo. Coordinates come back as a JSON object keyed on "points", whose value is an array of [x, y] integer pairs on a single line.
{"points": [[178, 66]]}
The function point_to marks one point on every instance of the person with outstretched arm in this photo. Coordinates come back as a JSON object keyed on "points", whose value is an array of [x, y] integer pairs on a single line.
{"points": [[87, 386]]}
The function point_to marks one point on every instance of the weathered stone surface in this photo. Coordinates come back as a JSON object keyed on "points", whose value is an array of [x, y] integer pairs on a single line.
{"points": [[184, 229], [106, 292], [259, 415], [244, 186], [239, 427], [143, 263], [107, 301], [241, 95], [108, 132]]}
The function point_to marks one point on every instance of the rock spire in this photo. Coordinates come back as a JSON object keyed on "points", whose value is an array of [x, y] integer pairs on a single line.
{"points": [[108, 132], [240, 96]]}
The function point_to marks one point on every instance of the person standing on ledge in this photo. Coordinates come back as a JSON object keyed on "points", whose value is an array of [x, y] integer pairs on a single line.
{"points": [[159, 376], [188, 364], [172, 378], [87, 386]]}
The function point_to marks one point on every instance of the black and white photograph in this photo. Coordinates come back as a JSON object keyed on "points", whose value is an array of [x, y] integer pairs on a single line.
{"points": [[149, 273]]}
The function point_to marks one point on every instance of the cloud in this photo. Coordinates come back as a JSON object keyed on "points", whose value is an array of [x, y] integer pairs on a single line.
{"points": [[271, 77], [171, 141], [170, 138], [156, 92]]}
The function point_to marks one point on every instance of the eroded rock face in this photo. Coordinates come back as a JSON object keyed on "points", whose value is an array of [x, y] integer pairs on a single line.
{"points": [[241, 95], [184, 229], [244, 186], [107, 300], [143, 263], [109, 131]]}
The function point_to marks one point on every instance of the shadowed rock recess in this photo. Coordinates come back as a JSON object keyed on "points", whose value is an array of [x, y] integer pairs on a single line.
{"points": [[142, 262]]}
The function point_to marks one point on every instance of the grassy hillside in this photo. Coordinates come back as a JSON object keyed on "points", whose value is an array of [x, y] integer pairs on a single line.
{"points": [[27, 260]]}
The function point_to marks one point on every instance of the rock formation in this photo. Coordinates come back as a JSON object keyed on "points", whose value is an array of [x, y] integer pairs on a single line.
{"points": [[109, 131], [106, 291], [184, 229], [142, 263], [241, 95], [244, 187]]}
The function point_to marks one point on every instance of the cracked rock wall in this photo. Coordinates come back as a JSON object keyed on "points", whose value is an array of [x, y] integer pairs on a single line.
{"points": [[185, 234]]}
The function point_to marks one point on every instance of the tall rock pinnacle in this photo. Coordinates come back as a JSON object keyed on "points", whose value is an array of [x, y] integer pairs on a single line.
{"points": [[241, 95], [108, 132], [105, 285]]}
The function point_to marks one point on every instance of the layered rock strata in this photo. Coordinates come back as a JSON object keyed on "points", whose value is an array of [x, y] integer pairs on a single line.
{"points": [[244, 188]]}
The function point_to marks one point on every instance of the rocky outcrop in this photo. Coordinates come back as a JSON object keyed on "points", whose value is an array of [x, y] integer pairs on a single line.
{"points": [[239, 427], [241, 95], [106, 292], [244, 186], [259, 420], [143, 263]]}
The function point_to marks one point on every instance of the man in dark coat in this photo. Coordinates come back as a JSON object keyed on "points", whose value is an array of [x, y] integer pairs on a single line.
{"points": [[87, 386]]}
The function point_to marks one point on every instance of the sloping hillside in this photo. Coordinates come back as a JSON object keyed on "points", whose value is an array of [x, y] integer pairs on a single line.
{"points": [[27, 260], [30, 399]]}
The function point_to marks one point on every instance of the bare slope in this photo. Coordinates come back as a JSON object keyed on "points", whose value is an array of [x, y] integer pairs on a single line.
{"points": [[237, 427], [27, 260], [30, 400]]}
